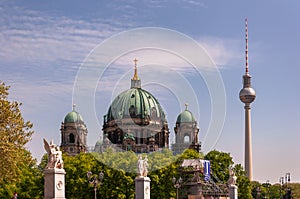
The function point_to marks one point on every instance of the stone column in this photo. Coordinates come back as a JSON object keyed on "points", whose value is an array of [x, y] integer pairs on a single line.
{"points": [[142, 187], [233, 192], [54, 184]]}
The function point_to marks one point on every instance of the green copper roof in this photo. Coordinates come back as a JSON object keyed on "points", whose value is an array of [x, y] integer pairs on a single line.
{"points": [[72, 117], [185, 116], [99, 143], [135, 102], [129, 136]]}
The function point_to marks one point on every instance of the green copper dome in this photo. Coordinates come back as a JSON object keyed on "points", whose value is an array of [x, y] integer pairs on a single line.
{"points": [[185, 116], [98, 143], [72, 117], [135, 103]]}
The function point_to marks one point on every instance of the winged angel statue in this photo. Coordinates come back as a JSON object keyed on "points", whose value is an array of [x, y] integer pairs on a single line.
{"points": [[54, 156]]}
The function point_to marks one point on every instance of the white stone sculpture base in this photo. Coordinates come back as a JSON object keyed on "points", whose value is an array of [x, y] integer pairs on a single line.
{"points": [[142, 188], [233, 192], [54, 184]]}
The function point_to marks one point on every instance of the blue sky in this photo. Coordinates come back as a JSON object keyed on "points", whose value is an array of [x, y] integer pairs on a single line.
{"points": [[45, 44]]}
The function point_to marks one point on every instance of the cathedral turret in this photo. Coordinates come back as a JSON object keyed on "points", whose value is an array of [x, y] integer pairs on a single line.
{"points": [[186, 132], [73, 133], [247, 96]]}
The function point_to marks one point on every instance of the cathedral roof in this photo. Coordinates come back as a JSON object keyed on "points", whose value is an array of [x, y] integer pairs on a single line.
{"points": [[73, 117], [135, 103], [185, 116]]}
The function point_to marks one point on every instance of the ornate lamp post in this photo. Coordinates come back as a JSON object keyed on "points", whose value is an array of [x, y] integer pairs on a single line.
{"points": [[287, 178], [287, 181], [95, 181], [281, 181], [177, 185]]}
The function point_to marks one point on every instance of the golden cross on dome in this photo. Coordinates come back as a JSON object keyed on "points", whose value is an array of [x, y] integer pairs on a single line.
{"points": [[135, 61], [135, 76], [186, 106]]}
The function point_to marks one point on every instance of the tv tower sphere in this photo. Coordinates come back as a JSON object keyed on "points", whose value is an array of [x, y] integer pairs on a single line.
{"points": [[247, 95]]}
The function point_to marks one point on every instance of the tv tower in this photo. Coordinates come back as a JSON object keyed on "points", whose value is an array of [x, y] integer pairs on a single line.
{"points": [[247, 96]]}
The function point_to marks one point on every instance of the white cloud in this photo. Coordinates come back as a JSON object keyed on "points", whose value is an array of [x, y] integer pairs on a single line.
{"points": [[223, 51], [29, 35]]}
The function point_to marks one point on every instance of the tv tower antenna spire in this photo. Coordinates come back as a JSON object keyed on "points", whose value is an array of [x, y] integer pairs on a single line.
{"points": [[246, 52]]}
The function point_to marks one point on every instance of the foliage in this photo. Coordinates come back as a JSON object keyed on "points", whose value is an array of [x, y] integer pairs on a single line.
{"points": [[244, 187], [163, 169], [76, 168], [17, 167], [295, 188], [119, 170], [220, 163], [31, 183], [189, 154], [14, 134]]}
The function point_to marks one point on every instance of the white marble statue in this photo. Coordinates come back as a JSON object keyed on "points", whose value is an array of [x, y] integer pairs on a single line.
{"points": [[145, 167], [232, 177], [54, 156], [142, 166]]}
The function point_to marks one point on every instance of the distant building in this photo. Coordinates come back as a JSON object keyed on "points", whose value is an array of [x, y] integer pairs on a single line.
{"points": [[135, 121], [73, 133], [186, 132]]}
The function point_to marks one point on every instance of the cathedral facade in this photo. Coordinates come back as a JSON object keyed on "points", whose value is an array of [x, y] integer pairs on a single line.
{"points": [[73, 133], [134, 121]]}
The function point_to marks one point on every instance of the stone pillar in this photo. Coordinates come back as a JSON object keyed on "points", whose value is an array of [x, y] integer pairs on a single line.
{"points": [[233, 192], [142, 187], [54, 186]]}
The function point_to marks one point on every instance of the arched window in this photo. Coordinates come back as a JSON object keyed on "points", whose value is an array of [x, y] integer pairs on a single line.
{"points": [[72, 138], [186, 139]]}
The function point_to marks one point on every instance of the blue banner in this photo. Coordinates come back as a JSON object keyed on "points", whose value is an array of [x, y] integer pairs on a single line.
{"points": [[206, 170]]}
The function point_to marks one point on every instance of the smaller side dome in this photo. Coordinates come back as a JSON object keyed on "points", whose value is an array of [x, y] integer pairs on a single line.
{"points": [[73, 117], [185, 116]]}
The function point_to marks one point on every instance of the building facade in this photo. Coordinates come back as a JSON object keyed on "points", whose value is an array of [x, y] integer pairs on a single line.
{"points": [[186, 132], [73, 133], [135, 121]]}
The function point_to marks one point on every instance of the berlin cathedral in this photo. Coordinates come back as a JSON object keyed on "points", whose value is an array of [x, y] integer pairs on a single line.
{"points": [[134, 121]]}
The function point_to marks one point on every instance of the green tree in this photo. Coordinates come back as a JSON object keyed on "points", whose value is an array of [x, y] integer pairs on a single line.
{"points": [[163, 168], [15, 133], [220, 163], [189, 154], [76, 168], [244, 187], [31, 185]]}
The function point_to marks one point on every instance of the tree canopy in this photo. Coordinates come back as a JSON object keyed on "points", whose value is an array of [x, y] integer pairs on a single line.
{"points": [[16, 163]]}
